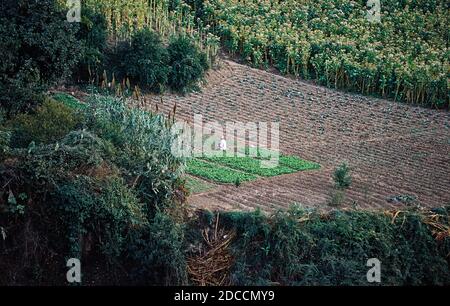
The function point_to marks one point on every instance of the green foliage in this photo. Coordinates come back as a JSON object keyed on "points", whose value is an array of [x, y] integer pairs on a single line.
{"points": [[257, 152], [158, 250], [94, 33], [144, 60], [38, 48], [165, 17], [5, 135], [187, 64], [302, 247], [216, 173], [298, 164], [5, 138], [403, 57], [253, 230], [144, 147], [93, 194], [103, 194], [49, 123], [250, 165], [104, 218], [69, 100], [147, 62], [341, 176]]}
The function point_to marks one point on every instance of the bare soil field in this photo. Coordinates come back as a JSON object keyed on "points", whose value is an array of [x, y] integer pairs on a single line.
{"points": [[392, 148]]}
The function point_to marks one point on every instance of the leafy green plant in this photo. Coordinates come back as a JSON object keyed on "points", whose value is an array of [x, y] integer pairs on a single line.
{"points": [[250, 165], [216, 173], [39, 49], [94, 33], [305, 247], [49, 123], [187, 64], [341, 176], [5, 138], [144, 60], [162, 16], [298, 164], [334, 43], [143, 143]]}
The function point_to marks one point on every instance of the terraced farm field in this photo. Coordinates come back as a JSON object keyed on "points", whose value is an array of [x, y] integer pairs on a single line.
{"points": [[393, 149]]}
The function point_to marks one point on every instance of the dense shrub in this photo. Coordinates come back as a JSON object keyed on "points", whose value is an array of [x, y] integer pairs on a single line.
{"points": [[144, 60], [341, 176], [70, 101], [50, 122], [307, 248], [187, 64], [5, 136], [159, 251], [39, 48], [93, 194], [144, 145], [93, 33]]}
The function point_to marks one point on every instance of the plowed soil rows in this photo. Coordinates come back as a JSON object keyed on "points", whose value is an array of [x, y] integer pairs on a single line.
{"points": [[392, 148]]}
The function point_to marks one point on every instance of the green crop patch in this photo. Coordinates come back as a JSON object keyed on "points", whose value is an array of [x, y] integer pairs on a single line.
{"points": [[259, 153], [69, 100], [250, 165], [298, 164], [217, 173]]}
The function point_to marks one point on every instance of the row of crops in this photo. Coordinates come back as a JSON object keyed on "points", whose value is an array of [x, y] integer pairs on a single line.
{"points": [[167, 18], [404, 57], [238, 169]]}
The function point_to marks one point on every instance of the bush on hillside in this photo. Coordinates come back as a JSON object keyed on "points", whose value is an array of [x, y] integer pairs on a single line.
{"points": [[94, 194], [39, 48], [94, 33], [302, 247], [144, 143], [50, 122], [187, 64], [341, 176], [159, 250], [144, 60]]}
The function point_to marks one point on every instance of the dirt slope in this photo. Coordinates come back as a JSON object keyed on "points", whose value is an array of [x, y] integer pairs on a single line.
{"points": [[392, 148]]}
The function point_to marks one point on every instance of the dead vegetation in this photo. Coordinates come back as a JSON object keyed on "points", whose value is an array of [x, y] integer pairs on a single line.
{"points": [[211, 266]]}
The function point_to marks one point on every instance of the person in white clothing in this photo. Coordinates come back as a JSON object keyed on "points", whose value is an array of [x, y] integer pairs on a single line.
{"points": [[223, 144]]}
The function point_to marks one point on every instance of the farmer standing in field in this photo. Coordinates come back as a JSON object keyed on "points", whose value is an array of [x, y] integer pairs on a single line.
{"points": [[223, 145]]}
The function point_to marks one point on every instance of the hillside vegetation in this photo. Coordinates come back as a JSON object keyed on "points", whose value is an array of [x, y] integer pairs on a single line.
{"points": [[405, 56], [98, 182], [96, 179]]}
